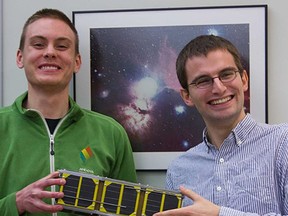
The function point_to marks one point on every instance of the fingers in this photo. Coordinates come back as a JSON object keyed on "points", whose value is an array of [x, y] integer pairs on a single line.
{"points": [[200, 206], [52, 175], [186, 192], [166, 213], [47, 194], [44, 183], [40, 206], [30, 198], [37, 205], [49, 180], [174, 212], [53, 179]]}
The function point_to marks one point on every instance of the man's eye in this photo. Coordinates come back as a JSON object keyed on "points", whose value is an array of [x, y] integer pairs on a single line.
{"points": [[204, 80], [62, 46], [226, 74], [38, 45]]}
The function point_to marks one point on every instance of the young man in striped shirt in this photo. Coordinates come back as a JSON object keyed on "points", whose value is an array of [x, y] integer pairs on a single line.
{"points": [[241, 166]]}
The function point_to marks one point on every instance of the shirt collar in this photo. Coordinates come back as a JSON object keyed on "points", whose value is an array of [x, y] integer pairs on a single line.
{"points": [[243, 129], [240, 132]]}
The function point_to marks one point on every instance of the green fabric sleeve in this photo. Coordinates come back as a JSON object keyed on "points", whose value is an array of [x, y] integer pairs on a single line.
{"points": [[125, 165], [8, 205]]}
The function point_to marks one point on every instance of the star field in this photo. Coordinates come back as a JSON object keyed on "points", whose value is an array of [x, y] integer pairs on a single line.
{"points": [[133, 79]]}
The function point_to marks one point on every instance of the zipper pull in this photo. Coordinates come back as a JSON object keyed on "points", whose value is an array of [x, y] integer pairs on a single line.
{"points": [[52, 145]]}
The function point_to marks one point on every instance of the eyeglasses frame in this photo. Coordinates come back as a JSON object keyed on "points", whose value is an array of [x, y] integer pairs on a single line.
{"points": [[212, 79]]}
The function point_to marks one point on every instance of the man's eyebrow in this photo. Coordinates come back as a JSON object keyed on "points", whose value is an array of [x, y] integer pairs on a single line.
{"points": [[63, 38], [228, 68], [37, 37], [44, 38]]}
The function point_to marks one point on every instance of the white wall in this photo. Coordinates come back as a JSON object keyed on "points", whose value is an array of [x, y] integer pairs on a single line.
{"points": [[15, 12]]}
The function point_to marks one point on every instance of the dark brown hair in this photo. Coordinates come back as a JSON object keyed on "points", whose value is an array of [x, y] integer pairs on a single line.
{"points": [[201, 46]]}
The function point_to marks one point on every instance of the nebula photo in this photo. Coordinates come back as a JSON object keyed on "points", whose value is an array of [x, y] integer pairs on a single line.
{"points": [[133, 80]]}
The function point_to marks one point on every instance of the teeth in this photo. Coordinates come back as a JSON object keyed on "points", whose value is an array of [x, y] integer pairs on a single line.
{"points": [[223, 100], [49, 68]]}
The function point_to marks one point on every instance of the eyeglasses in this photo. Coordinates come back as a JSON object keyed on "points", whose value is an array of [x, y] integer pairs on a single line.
{"points": [[225, 76]]}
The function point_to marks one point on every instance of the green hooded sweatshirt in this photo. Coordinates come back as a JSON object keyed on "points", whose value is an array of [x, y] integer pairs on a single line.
{"points": [[83, 141]]}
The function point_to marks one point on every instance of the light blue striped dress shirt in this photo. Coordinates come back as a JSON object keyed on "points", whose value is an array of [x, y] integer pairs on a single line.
{"points": [[248, 175]]}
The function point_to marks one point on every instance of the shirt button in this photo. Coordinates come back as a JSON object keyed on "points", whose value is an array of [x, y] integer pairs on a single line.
{"points": [[218, 188], [221, 160]]}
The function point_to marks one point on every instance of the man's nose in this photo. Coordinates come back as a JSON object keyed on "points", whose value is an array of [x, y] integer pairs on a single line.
{"points": [[49, 52], [218, 85]]}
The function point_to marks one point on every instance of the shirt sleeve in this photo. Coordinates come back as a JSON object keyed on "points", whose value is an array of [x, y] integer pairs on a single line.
{"points": [[281, 172], [8, 205], [125, 167], [168, 182], [224, 211]]}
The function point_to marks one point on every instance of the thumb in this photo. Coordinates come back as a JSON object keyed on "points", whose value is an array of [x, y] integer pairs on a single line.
{"points": [[189, 193]]}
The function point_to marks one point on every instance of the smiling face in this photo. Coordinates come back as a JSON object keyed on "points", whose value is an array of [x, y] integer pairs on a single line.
{"points": [[49, 57], [220, 102]]}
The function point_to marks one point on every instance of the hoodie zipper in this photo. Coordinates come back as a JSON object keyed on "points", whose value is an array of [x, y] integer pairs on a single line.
{"points": [[51, 152], [51, 148], [52, 162], [52, 145]]}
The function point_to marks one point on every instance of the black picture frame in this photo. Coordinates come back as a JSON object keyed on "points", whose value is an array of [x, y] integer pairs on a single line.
{"points": [[124, 49]]}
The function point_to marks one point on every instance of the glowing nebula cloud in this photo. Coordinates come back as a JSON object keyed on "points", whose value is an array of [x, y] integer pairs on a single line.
{"points": [[134, 80]]}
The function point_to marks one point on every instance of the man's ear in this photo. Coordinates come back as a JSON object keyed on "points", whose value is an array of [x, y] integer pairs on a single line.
{"points": [[186, 97], [78, 63], [245, 80], [19, 59]]}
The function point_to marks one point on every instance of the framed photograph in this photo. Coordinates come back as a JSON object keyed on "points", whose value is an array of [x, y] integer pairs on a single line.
{"points": [[128, 71]]}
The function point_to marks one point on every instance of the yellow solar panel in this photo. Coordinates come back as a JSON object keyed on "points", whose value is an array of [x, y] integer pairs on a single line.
{"points": [[85, 193]]}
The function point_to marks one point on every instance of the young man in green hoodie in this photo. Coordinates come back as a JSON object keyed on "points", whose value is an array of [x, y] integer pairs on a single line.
{"points": [[44, 130]]}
